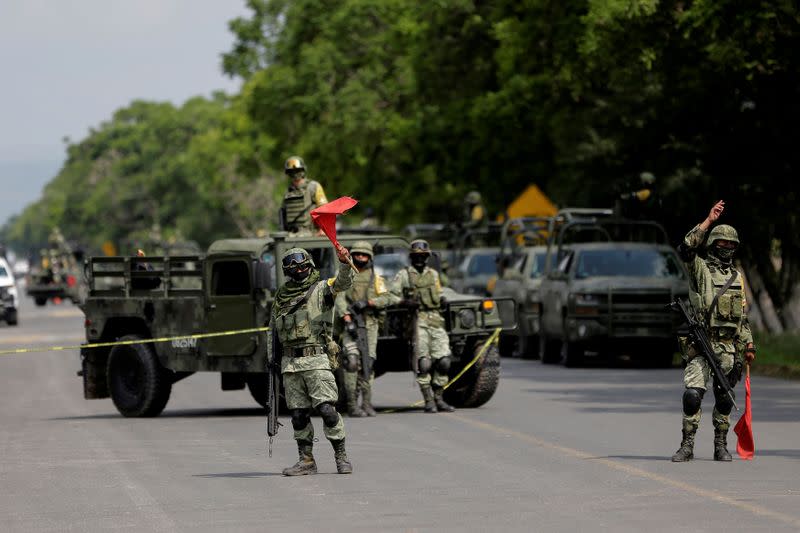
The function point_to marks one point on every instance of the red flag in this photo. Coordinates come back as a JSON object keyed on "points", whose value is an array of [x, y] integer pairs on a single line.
{"points": [[745, 447], [324, 216]]}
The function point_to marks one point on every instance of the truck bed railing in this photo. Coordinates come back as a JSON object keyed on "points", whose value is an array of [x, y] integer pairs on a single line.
{"points": [[139, 276]]}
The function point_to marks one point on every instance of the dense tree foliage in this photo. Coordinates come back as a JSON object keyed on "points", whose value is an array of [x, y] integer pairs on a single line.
{"points": [[406, 105]]}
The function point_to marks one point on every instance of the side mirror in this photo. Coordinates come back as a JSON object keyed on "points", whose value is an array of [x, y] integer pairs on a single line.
{"points": [[262, 275]]}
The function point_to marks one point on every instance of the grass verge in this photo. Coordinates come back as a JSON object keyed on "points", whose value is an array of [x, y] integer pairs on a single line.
{"points": [[778, 355]]}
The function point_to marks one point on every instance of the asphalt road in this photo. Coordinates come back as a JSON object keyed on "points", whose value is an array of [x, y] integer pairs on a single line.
{"points": [[555, 450]]}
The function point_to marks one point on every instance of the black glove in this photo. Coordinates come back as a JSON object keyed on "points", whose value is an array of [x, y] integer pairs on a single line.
{"points": [[735, 375], [359, 306]]}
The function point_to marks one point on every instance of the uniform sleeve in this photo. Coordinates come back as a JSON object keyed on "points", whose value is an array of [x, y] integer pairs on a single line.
{"points": [[319, 194], [438, 283], [341, 304], [342, 281], [384, 296], [399, 283], [688, 253]]}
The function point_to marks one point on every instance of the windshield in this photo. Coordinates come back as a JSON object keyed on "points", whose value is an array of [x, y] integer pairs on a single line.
{"points": [[389, 264], [537, 269], [621, 262], [482, 264], [3, 272]]}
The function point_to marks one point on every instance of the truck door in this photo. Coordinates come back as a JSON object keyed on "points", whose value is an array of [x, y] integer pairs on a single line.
{"points": [[230, 305]]}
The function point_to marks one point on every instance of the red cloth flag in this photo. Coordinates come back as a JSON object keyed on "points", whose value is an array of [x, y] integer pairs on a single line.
{"points": [[324, 216], [745, 446]]}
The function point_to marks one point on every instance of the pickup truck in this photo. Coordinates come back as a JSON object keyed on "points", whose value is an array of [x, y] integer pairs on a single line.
{"points": [[607, 293], [231, 287]]}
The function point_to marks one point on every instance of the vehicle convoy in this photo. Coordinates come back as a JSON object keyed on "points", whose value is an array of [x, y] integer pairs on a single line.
{"points": [[606, 290], [231, 287], [520, 265], [9, 297], [57, 276]]}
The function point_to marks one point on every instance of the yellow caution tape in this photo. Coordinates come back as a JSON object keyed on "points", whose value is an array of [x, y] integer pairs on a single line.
{"points": [[491, 340], [138, 341]]}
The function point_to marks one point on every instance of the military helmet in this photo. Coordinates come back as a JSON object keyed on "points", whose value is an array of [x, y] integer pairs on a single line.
{"points": [[362, 247], [723, 232], [473, 197], [647, 178], [420, 246], [294, 164], [296, 257]]}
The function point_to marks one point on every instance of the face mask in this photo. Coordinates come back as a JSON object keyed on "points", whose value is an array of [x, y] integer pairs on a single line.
{"points": [[418, 261], [298, 274], [723, 254], [360, 263]]}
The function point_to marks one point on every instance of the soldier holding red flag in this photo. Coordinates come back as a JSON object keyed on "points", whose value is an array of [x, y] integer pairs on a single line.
{"points": [[718, 298]]}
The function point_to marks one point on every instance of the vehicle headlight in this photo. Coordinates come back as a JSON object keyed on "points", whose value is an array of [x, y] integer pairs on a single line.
{"points": [[587, 304], [467, 318], [13, 292]]}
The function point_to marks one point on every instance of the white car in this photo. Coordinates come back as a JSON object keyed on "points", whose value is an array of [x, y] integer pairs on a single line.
{"points": [[9, 297]]}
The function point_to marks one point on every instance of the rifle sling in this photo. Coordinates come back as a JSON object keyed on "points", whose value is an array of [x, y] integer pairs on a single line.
{"points": [[722, 290]]}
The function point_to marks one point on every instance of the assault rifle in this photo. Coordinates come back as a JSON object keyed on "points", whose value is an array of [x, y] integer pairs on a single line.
{"points": [[358, 332], [699, 340], [273, 386], [410, 301]]}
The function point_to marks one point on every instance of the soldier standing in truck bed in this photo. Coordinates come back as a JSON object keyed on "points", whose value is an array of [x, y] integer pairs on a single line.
{"points": [[302, 196]]}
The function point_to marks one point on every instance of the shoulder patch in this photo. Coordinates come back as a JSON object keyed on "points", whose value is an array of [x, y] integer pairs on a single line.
{"points": [[330, 281], [380, 285]]}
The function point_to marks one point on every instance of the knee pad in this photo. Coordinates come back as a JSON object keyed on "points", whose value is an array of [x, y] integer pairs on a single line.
{"points": [[424, 365], [329, 415], [443, 365], [300, 419], [723, 403], [692, 398], [351, 363]]}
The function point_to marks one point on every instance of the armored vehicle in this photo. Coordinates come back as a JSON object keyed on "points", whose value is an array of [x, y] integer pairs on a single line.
{"points": [[606, 290], [58, 277], [231, 288]]}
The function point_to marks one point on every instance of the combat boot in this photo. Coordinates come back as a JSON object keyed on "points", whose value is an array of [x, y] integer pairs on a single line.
{"points": [[427, 395], [721, 445], [354, 411], [441, 405], [366, 402], [343, 466], [686, 451], [306, 465]]}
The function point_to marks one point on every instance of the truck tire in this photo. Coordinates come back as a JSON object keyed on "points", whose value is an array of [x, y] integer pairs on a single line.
{"points": [[572, 354], [40, 301], [12, 318], [478, 385], [139, 385], [507, 344], [549, 350]]}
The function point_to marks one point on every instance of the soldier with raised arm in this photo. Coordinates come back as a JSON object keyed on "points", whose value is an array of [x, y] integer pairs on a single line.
{"points": [[302, 319], [718, 298]]}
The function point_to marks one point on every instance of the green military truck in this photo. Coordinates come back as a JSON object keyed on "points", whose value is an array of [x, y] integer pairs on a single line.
{"points": [[231, 288]]}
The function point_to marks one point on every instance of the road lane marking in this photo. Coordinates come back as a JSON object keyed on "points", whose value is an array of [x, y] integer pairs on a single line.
{"points": [[757, 510]]}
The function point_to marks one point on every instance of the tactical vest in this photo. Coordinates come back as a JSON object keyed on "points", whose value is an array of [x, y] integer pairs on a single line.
{"points": [[297, 204], [302, 327], [729, 310], [363, 287], [424, 287]]}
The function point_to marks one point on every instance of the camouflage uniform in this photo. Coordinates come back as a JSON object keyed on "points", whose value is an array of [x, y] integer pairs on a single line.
{"points": [[369, 290], [474, 211], [308, 381], [420, 285], [728, 330], [300, 199]]}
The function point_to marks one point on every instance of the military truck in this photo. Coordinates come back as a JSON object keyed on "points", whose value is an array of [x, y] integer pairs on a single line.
{"points": [[58, 278], [606, 290], [231, 287]]}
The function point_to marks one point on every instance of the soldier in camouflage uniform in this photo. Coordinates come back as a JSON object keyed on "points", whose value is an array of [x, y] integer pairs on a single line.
{"points": [[474, 211], [717, 295], [300, 199], [420, 288], [302, 317], [367, 296]]}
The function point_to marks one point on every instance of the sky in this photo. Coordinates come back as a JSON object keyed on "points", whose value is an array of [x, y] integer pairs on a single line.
{"points": [[66, 66]]}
